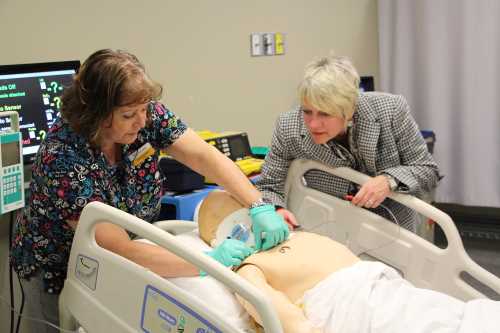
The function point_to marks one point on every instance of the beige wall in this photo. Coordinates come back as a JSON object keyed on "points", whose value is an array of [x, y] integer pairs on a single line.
{"points": [[199, 51]]}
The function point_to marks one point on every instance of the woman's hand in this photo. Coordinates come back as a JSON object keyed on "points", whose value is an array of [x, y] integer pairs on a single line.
{"points": [[372, 193], [231, 252], [289, 218], [266, 220]]}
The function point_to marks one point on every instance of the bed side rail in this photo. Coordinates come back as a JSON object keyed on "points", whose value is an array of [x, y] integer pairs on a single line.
{"points": [[421, 262], [114, 287], [176, 227]]}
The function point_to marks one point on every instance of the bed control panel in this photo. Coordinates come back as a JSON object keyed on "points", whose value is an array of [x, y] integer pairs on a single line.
{"points": [[164, 313]]}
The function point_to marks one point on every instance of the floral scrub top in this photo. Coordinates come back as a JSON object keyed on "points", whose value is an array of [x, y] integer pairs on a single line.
{"points": [[68, 173]]}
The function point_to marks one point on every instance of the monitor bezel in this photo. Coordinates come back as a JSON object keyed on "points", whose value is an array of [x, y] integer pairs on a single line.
{"points": [[37, 67]]}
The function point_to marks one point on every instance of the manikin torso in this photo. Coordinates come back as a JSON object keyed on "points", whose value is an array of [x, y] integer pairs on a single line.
{"points": [[294, 266], [298, 264]]}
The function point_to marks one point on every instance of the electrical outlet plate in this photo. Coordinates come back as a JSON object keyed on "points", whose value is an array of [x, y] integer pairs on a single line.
{"points": [[268, 42], [256, 45]]}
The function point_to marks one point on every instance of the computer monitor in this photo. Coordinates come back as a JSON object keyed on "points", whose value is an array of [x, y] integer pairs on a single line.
{"points": [[34, 91], [366, 83]]}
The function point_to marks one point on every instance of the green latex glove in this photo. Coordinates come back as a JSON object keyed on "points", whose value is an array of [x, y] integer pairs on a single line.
{"points": [[230, 253], [266, 220]]}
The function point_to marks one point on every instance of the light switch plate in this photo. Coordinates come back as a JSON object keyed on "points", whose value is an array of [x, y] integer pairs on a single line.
{"points": [[256, 45], [268, 42], [279, 42]]}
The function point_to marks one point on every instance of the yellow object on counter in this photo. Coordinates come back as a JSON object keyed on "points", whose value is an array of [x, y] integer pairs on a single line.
{"points": [[222, 141], [250, 165], [207, 135]]}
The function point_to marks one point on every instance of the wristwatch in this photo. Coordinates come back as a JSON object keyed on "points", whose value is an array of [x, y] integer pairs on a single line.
{"points": [[393, 183], [258, 203]]}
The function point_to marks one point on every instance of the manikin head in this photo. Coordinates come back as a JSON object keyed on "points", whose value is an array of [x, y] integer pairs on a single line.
{"points": [[221, 216]]}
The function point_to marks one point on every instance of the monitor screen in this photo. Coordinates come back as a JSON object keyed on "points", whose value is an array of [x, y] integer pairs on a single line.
{"points": [[239, 146], [366, 83], [10, 153], [34, 91]]}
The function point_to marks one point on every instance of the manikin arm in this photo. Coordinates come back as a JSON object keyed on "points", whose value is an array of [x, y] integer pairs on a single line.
{"points": [[291, 316]]}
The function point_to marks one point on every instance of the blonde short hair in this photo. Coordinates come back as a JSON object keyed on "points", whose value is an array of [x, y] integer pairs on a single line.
{"points": [[330, 84]]}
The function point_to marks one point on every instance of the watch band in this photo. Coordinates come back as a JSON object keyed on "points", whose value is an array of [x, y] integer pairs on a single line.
{"points": [[258, 203]]}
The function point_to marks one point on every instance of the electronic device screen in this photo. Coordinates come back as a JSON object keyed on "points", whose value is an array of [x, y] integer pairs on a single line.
{"points": [[10, 153], [34, 91], [239, 146]]}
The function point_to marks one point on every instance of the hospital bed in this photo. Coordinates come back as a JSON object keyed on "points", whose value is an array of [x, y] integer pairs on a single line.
{"points": [[105, 292]]}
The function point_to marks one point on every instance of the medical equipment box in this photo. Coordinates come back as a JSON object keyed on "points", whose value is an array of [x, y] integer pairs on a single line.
{"points": [[260, 151], [234, 145], [182, 206], [430, 139], [178, 177]]}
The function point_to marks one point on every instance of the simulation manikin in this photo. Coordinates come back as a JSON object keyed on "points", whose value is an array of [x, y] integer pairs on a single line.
{"points": [[318, 285]]}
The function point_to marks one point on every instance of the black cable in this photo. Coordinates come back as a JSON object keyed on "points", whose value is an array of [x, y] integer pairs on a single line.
{"points": [[11, 282], [11, 272], [22, 304]]}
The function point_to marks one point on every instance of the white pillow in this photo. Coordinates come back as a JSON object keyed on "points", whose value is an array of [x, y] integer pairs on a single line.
{"points": [[211, 291]]}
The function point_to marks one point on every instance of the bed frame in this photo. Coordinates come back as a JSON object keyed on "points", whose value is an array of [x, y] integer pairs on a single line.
{"points": [[105, 292]]}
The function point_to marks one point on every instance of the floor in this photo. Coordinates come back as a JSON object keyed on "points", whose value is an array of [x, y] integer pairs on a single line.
{"points": [[486, 254], [479, 228]]}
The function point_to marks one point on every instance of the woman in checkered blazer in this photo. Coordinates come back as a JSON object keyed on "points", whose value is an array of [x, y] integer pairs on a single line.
{"points": [[337, 125]]}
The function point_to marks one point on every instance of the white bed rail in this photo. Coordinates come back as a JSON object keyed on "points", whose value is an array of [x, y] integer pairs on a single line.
{"points": [[421, 262], [94, 297]]}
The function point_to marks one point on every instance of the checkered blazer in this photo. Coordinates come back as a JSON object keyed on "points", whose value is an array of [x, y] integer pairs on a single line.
{"points": [[383, 138]]}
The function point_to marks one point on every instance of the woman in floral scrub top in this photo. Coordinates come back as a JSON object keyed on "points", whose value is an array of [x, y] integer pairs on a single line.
{"points": [[105, 147]]}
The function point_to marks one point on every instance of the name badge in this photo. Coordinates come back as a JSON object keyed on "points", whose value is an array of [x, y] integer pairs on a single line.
{"points": [[141, 154]]}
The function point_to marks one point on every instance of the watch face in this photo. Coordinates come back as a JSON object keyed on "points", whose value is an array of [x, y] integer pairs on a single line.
{"points": [[393, 184]]}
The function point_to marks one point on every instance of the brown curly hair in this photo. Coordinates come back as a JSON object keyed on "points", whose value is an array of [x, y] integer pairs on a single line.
{"points": [[106, 80]]}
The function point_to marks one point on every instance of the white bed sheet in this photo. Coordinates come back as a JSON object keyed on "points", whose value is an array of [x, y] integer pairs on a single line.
{"points": [[372, 297], [212, 292]]}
